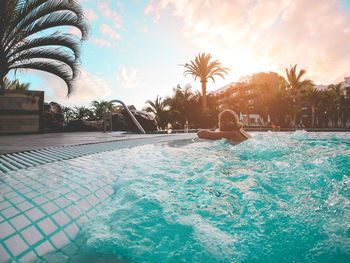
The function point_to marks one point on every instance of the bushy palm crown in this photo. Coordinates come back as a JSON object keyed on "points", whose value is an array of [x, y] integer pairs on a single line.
{"points": [[294, 82], [158, 108], [24, 45], [205, 69]]}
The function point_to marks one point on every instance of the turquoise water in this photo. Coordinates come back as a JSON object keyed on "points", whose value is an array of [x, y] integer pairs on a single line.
{"points": [[278, 197]]}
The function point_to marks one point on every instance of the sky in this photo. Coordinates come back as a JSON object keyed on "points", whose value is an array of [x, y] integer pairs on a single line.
{"points": [[136, 47]]}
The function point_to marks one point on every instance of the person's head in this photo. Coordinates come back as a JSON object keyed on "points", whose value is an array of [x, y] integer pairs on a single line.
{"points": [[228, 121]]}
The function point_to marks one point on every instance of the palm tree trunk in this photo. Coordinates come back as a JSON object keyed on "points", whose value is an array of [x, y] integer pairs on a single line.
{"points": [[204, 96], [2, 84], [313, 116]]}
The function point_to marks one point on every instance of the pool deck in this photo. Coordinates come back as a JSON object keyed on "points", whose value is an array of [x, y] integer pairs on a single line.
{"points": [[28, 142]]}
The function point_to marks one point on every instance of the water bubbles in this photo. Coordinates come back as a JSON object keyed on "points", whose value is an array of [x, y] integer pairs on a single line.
{"points": [[277, 197]]}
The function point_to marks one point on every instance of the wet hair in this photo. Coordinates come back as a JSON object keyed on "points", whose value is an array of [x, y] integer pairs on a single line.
{"points": [[228, 121]]}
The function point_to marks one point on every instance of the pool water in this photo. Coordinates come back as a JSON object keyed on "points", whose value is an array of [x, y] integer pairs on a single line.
{"points": [[275, 198]]}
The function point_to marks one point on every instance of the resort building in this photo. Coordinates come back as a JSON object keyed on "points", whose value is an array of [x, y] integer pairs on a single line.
{"points": [[245, 95], [346, 86]]}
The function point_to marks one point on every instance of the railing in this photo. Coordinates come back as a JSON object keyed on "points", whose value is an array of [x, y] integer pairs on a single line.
{"points": [[129, 113]]}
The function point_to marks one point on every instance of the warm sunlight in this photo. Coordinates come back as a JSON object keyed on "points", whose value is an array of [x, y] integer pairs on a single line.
{"points": [[166, 131]]}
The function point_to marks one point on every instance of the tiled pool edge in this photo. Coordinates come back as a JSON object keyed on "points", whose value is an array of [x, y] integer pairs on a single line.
{"points": [[35, 221], [15, 161]]}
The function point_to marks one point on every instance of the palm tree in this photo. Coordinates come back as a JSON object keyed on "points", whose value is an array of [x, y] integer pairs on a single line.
{"points": [[180, 105], [337, 89], [22, 46], [296, 86], [205, 69], [312, 97], [158, 108], [82, 113], [14, 85], [99, 107]]}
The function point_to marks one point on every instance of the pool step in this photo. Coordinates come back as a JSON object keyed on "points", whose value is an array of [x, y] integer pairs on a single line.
{"points": [[16, 161]]}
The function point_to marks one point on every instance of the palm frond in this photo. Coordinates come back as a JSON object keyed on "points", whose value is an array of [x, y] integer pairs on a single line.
{"points": [[22, 48], [53, 54], [53, 68], [56, 39]]}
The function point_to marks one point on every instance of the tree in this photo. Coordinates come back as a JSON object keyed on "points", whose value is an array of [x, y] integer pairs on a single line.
{"points": [[158, 108], [99, 107], [338, 106], [205, 69], [24, 45], [14, 85], [295, 86], [179, 104], [82, 113]]}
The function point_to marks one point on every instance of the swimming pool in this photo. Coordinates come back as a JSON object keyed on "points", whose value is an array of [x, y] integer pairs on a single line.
{"points": [[278, 197]]}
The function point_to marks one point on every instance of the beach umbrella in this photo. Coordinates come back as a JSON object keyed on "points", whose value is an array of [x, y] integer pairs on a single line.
{"points": [[240, 116], [268, 118]]}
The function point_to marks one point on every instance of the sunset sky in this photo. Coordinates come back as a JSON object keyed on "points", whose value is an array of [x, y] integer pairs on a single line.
{"points": [[136, 46]]}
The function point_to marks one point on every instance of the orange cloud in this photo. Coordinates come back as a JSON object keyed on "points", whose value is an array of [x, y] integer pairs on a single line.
{"points": [[250, 36]]}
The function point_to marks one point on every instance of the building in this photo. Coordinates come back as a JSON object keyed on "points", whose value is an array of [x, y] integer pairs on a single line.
{"points": [[346, 87], [246, 95]]}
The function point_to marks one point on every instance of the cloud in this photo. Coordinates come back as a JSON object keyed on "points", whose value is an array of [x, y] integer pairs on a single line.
{"points": [[108, 13], [103, 42], [107, 30], [129, 78], [91, 15], [250, 36], [87, 87]]}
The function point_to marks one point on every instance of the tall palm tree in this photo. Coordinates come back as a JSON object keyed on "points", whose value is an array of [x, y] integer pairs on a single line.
{"points": [[158, 108], [337, 89], [24, 45], [295, 86], [204, 69]]}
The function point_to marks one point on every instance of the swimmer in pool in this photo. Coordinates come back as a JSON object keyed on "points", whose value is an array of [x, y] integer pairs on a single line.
{"points": [[230, 128]]}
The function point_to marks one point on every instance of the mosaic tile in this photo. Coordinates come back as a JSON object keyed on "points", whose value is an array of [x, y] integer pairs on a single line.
{"points": [[92, 199], [10, 195], [5, 230], [84, 205], [17, 199], [24, 190], [16, 245], [52, 195], [73, 212], [32, 235], [47, 226], [44, 248], [83, 191], [20, 222], [4, 256], [101, 194], [40, 200], [4, 205], [24, 206], [59, 240], [9, 212], [73, 196], [50, 208], [61, 218], [31, 195], [35, 214], [62, 202], [72, 230], [82, 220]]}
